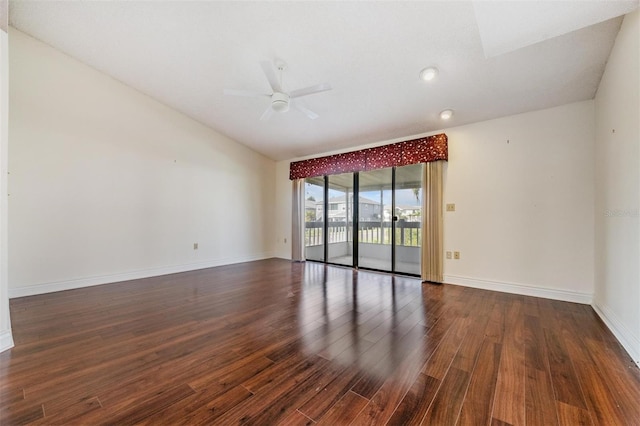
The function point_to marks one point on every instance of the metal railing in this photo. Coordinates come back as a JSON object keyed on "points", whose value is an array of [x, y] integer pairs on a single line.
{"points": [[407, 233]]}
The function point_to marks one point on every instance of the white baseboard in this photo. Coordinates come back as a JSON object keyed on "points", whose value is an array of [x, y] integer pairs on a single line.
{"points": [[525, 290], [32, 290], [6, 340], [628, 341]]}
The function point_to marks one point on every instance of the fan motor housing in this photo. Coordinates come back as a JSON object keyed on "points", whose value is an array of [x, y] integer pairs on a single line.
{"points": [[280, 102]]}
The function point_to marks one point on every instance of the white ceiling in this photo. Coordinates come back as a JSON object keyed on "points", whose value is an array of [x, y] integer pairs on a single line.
{"points": [[495, 59]]}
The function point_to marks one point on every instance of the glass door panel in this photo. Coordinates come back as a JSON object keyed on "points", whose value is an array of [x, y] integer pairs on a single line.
{"points": [[387, 216], [375, 219], [314, 218], [409, 212], [340, 219]]}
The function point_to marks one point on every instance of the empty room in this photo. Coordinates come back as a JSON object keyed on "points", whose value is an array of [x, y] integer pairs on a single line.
{"points": [[326, 212]]}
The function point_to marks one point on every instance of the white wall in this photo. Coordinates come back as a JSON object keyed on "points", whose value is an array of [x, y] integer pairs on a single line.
{"points": [[6, 339], [617, 294], [523, 189], [108, 184], [524, 208]]}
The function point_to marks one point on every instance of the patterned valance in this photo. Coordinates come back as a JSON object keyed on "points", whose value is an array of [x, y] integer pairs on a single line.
{"points": [[423, 150]]}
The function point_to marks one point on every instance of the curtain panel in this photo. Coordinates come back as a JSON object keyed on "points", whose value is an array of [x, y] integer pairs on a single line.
{"points": [[423, 150], [297, 223], [432, 222]]}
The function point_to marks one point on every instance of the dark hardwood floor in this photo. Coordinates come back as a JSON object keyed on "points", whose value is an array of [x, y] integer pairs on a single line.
{"points": [[274, 342]]}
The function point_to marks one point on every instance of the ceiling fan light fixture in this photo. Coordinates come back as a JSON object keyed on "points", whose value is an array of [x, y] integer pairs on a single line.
{"points": [[429, 73], [280, 102], [446, 114]]}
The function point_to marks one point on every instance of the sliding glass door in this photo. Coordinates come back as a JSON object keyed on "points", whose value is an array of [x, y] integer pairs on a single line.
{"points": [[375, 219], [314, 218], [340, 219], [383, 205], [408, 211]]}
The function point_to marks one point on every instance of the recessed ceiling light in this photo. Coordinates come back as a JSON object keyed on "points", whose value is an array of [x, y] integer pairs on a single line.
{"points": [[446, 114], [429, 74]]}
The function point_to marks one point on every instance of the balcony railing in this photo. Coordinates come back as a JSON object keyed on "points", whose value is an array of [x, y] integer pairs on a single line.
{"points": [[407, 233]]}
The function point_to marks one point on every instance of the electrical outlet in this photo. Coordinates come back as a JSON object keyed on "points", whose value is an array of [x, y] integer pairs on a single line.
{"points": [[456, 255], [195, 246], [451, 207], [448, 255]]}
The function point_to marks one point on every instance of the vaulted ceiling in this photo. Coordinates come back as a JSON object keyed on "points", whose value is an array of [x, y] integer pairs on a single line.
{"points": [[495, 58]]}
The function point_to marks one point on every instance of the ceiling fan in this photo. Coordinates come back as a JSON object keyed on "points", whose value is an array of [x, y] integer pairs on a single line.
{"points": [[281, 101]]}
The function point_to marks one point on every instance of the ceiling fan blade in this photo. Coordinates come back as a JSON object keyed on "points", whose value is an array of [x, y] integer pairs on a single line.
{"points": [[271, 76], [266, 114], [306, 111], [246, 93], [310, 90]]}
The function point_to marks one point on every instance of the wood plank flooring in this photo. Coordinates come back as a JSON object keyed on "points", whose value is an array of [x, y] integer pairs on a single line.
{"points": [[274, 342]]}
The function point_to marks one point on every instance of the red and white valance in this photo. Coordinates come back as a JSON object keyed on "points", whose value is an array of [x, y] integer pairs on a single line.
{"points": [[423, 150]]}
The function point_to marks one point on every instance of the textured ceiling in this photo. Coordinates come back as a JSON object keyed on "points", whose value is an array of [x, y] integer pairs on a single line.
{"points": [[495, 59], [506, 26]]}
